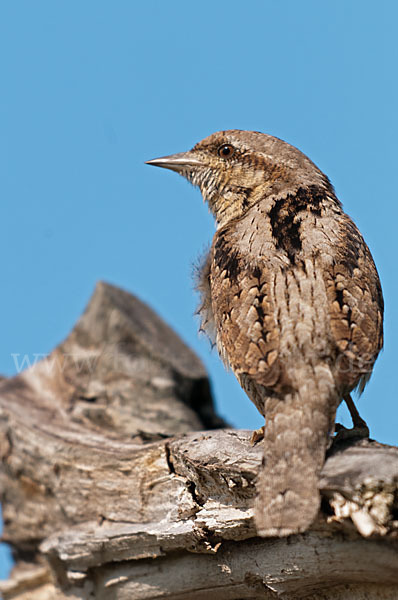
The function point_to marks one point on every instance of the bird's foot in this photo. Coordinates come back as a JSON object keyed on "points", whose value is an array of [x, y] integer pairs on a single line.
{"points": [[257, 435], [359, 431]]}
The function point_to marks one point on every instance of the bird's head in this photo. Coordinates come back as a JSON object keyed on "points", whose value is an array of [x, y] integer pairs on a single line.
{"points": [[235, 169]]}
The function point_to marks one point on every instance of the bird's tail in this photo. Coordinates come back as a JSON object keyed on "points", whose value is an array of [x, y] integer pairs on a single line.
{"points": [[296, 437]]}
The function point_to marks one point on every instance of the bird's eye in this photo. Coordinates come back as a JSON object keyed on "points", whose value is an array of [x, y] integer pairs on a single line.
{"points": [[226, 151]]}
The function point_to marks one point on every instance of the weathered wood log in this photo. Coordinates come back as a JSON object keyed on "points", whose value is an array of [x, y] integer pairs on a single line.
{"points": [[107, 493]]}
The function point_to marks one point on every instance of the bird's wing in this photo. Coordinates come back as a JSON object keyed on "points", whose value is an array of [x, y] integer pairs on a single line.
{"points": [[247, 331], [356, 306]]}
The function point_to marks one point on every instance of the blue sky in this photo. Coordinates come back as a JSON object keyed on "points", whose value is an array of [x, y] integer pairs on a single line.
{"points": [[90, 90]]}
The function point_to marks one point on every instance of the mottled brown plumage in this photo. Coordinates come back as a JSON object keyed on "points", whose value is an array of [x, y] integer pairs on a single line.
{"points": [[291, 296]]}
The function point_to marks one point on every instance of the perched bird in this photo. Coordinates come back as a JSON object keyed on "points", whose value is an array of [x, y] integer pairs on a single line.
{"points": [[292, 298]]}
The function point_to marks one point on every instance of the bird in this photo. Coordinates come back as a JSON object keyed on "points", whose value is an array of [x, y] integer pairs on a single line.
{"points": [[291, 297]]}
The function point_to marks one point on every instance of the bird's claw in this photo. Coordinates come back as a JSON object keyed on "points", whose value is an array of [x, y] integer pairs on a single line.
{"points": [[257, 435], [359, 431]]}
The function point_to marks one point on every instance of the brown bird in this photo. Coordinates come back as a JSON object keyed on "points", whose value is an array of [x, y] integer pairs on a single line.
{"points": [[292, 298]]}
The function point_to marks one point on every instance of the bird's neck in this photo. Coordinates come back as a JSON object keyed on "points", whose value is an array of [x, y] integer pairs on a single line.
{"points": [[232, 202]]}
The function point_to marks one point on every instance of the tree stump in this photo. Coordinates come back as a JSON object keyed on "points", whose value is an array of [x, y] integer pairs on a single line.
{"points": [[112, 490]]}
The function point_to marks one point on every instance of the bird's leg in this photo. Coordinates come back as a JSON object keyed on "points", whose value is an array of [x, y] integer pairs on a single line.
{"points": [[359, 429]]}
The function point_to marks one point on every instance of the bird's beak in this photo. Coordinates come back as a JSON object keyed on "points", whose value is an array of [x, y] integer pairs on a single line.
{"points": [[176, 162]]}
